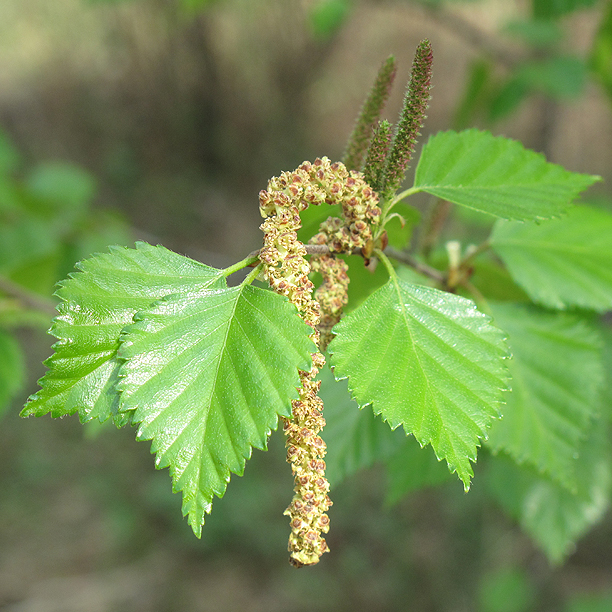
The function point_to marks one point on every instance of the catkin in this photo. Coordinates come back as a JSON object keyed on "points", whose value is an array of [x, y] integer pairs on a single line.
{"points": [[287, 270]]}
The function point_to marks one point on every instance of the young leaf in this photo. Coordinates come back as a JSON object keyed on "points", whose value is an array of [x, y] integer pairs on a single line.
{"points": [[427, 360], [9, 156], [552, 515], [564, 262], [557, 375], [355, 438], [550, 9], [327, 16], [600, 61], [24, 239], [497, 176], [97, 303], [206, 374], [373, 169], [65, 187]]}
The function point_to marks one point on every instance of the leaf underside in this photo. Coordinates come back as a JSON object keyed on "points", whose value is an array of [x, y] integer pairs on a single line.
{"points": [[355, 438], [412, 468], [561, 263], [554, 516], [497, 176], [206, 375], [426, 360], [98, 301], [557, 376]]}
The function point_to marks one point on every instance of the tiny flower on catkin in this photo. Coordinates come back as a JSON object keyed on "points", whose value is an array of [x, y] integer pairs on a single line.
{"points": [[347, 234], [373, 170]]}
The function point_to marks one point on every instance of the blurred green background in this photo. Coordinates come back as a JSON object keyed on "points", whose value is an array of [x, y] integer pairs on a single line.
{"points": [[161, 120]]}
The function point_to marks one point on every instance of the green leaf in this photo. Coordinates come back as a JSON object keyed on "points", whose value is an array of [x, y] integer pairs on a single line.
{"points": [[539, 33], [507, 98], [561, 263], [11, 369], [475, 94], [97, 303], [506, 590], [327, 16], [399, 235], [552, 515], [427, 360], [9, 156], [355, 438], [557, 376], [23, 241], [497, 176], [550, 9], [65, 186], [495, 283], [561, 78], [600, 60], [590, 602], [207, 373], [412, 468]]}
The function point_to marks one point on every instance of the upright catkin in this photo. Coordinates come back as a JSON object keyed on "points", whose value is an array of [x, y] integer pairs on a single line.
{"points": [[287, 270]]}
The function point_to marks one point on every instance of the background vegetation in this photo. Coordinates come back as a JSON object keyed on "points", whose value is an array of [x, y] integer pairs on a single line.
{"points": [[162, 120]]}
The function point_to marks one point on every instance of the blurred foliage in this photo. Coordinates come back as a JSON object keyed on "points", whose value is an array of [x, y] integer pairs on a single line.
{"points": [[46, 224], [506, 590], [429, 548], [601, 53], [590, 603]]}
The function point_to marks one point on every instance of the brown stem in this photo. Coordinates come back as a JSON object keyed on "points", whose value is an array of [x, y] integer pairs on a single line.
{"points": [[27, 298], [476, 37], [436, 222], [411, 261]]}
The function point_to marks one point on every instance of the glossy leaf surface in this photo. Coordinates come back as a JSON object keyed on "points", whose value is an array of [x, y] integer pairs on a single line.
{"points": [[563, 262], [355, 438], [98, 301], [426, 360], [207, 373], [557, 376], [497, 176]]}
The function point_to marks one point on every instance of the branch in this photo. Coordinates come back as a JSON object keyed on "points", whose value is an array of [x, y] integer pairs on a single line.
{"points": [[27, 298], [476, 37], [405, 258], [411, 261]]}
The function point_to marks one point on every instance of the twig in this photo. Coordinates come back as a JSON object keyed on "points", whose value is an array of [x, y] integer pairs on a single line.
{"points": [[27, 298], [435, 224], [401, 256], [411, 261], [475, 36]]}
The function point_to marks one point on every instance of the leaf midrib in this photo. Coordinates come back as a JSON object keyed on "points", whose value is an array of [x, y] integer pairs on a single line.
{"points": [[429, 392]]}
